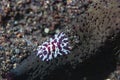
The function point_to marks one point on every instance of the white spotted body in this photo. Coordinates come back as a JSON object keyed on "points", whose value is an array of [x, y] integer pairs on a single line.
{"points": [[57, 45]]}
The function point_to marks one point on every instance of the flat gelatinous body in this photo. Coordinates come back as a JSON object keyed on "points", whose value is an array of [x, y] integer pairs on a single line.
{"points": [[57, 45]]}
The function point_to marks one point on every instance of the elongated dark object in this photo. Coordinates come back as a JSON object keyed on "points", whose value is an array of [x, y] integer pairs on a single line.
{"points": [[99, 24], [19, 73]]}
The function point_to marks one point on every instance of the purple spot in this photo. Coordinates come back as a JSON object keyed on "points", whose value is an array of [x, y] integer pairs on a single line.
{"points": [[65, 41], [45, 52], [62, 52], [59, 34], [45, 45], [59, 46]]}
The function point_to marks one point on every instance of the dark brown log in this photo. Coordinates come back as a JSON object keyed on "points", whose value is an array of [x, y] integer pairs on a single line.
{"points": [[98, 29]]}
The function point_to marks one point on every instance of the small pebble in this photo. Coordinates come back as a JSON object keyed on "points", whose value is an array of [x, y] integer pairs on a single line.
{"points": [[46, 30], [1, 48], [7, 61], [17, 51], [19, 35], [14, 65], [7, 53], [20, 56], [19, 2], [13, 59], [16, 22], [107, 79], [57, 31]]}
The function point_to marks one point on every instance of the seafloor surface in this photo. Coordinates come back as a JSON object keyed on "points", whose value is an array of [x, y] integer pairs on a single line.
{"points": [[93, 27]]}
